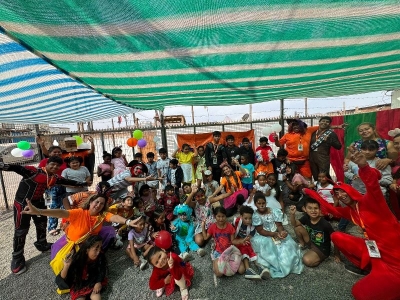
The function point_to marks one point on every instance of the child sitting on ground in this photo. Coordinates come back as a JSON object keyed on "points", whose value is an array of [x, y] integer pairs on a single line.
{"points": [[313, 232], [168, 201], [223, 234], [84, 272], [260, 186], [149, 200], [169, 270], [124, 209], [210, 185], [324, 187], [186, 190], [139, 243], [183, 228], [203, 212], [244, 232]]}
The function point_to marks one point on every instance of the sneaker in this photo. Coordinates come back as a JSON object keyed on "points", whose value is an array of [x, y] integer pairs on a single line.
{"points": [[18, 266], [159, 292], [251, 274], [43, 247], [265, 274], [354, 270], [185, 256], [143, 265], [201, 252]]}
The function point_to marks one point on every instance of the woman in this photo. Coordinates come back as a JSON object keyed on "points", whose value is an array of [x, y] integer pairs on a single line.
{"points": [[83, 222], [231, 183], [386, 152]]}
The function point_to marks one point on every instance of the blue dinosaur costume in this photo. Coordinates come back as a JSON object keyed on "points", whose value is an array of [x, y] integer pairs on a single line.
{"points": [[184, 229]]}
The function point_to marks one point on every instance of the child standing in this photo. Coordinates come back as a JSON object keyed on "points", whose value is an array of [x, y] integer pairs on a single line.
{"points": [[203, 212], [264, 157], [169, 270], [175, 175], [152, 170], [274, 199], [223, 234], [246, 148], [244, 232], [84, 272], [162, 167], [185, 159], [139, 243], [248, 179], [105, 170], [210, 185], [78, 173], [314, 233], [183, 228], [118, 160], [200, 161], [277, 253], [169, 200], [324, 188]]}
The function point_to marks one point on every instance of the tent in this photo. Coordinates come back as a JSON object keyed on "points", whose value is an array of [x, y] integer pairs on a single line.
{"points": [[151, 54]]}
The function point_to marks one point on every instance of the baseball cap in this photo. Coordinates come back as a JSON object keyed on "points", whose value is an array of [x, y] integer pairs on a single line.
{"points": [[207, 172]]}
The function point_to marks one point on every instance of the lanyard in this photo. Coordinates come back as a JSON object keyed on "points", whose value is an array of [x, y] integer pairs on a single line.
{"points": [[215, 148], [361, 222], [49, 184]]}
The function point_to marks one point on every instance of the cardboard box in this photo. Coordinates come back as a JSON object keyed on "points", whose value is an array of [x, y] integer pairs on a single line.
{"points": [[70, 144]]}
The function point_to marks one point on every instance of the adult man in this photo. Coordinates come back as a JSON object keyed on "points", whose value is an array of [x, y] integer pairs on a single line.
{"points": [[215, 155], [34, 183], [381, 230], [320, 145]]}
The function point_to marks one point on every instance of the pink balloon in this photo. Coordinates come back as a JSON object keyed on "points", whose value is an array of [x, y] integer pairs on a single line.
{"points": [[28, 153], [271, 137], [142, 143]]}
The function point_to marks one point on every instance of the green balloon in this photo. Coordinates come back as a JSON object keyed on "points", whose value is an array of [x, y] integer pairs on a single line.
{"points": [[78, 139], [138, 134], [23, 145]]}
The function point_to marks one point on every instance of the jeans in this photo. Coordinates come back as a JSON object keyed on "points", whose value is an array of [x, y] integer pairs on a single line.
{"points": [[57, 192]]}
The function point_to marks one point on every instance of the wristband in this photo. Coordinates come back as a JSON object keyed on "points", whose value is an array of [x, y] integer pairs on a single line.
{"points": [[40, 212], [127, 222]]}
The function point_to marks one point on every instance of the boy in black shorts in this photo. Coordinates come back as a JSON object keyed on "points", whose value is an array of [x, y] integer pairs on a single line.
{"points": [[314, 233]]}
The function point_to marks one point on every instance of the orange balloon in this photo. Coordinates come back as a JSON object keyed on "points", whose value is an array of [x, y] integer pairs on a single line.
{"points": [[131, 142]]}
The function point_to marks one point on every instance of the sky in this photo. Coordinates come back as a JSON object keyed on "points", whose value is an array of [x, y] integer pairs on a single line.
{"points": [[259, 110]]}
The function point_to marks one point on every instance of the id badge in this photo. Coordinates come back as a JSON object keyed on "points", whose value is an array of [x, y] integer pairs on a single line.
{"points": [[373, 249], [47, 198], [300, 147], [280, 177], [215, 161]]}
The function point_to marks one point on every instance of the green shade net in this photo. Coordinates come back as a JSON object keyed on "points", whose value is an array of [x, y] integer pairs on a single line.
{"points": [[152, 54]]}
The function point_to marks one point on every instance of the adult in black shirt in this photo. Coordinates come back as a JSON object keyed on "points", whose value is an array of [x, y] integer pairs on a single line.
{"points": [[231, 151], [215, 155], [247, 148]]}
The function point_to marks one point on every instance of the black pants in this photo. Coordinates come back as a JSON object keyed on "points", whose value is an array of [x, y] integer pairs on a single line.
{"points": [[216, 173], [22, 224]]}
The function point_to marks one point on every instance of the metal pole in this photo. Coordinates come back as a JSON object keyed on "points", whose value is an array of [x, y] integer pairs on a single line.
{"points": [[37, 131], [305, 107], [163, 131], [3, 187], [192, 115], [282, 121]]}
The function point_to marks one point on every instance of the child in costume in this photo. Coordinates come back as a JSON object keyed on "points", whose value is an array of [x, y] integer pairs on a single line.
{"points": [[169, 270], [244, 232], [264, 157], [85, 272], [183, 228]]}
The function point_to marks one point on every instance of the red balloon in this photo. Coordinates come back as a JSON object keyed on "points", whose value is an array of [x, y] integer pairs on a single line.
{"points": [[131, 142], [271, 137], [163, 240]]}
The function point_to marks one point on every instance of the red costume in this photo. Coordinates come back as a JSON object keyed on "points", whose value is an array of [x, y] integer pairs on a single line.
{"points": [[374, 216], [180, 268]]}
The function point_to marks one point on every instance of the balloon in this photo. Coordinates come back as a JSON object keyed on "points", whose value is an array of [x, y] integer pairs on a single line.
{"points": [[266, 131], [271, 137], [138, 134], [163, 240], [142, 143], [78, 139], [23, 145], [16, 152], [156, 139], [132, 142], [276, 128], [55, 143], [28, 153]]}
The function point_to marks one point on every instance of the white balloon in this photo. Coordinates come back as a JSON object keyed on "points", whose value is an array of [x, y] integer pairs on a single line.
{"points": [[55, 143], [266, 131], [276, 128], [16, 152]]}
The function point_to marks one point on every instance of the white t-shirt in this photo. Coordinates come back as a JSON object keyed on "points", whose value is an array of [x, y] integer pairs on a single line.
{"points": [[78, 175]]}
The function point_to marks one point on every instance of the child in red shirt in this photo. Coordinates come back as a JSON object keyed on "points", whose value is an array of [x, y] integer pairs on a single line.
{"points": [[169, 200]]}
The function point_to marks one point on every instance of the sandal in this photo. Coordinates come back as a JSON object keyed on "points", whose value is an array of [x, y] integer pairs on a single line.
{"points": [[185, 294], [54, 232]]}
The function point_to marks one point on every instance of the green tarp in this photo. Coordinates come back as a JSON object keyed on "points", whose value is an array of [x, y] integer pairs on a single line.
{"points": [[151, 54]]}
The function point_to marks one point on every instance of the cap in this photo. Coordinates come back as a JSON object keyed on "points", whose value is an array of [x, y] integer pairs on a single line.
{"points": [[207, 172]]}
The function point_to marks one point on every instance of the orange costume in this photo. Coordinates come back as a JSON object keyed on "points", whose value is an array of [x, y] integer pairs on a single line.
{"points": [[298, 147]]}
